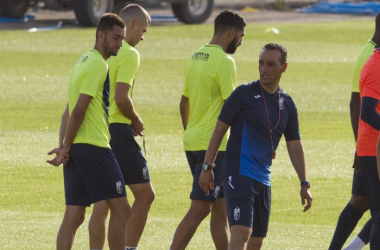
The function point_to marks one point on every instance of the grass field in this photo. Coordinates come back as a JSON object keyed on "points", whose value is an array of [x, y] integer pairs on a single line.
{"points": [[34, 76]]}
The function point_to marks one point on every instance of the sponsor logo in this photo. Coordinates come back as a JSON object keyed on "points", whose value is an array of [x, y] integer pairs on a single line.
{"points": [[236, 213], [257, 96], [119, 187], [216, 191], [200, 56], [145, 173]]}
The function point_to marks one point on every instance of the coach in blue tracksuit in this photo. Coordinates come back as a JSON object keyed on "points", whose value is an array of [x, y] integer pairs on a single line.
{"points": [[259, 113]]}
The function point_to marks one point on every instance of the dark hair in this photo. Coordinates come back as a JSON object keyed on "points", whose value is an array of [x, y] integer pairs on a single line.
{"points": [[279, 47], [107, 21], [228, 19]]}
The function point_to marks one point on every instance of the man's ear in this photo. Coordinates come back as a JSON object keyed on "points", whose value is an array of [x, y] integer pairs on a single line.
{"points": [[100, 35], [232, 33], [135, 23], [284, 67]]}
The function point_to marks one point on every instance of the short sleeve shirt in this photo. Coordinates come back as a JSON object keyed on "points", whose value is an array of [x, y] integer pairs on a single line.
{"points": [[249, 145], [123, 69], [90, 77], [369, 87], [210, 78], [365, 53]]}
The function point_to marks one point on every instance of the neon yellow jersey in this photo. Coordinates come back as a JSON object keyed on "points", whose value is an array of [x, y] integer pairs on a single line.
{"points": [[365, 53], [123, 69], [89, 77], [210, 78]]}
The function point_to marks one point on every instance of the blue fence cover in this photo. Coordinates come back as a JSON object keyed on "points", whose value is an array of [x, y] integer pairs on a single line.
{"points": [[363, 8]]}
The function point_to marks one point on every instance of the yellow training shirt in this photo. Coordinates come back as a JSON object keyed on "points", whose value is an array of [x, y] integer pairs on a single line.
{"points": [[123, 69], [210, 78], [89, 77]]}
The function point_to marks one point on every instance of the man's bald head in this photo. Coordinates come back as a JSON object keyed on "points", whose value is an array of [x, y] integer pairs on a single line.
{"points": [[133, 12]]}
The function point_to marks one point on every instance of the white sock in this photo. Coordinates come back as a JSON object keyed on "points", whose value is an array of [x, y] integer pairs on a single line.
{"points": [[130, 248], [356, 244]]}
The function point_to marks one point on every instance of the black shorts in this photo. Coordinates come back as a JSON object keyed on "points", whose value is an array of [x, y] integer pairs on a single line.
{"points": [[358, 187], [248, 203], [128, 153], [371, 182], [91, 175], [195, 160]]}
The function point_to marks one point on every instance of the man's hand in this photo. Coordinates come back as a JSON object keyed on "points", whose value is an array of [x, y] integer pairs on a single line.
{"points": [[206, 181], [62, 156], [356, 164], [306, 195], [138, 127]]}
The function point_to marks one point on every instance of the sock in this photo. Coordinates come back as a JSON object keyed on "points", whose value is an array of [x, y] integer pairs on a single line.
{"points": [[130, 248], [366, 230], [374, 238], [348, 219], [356, 244]]}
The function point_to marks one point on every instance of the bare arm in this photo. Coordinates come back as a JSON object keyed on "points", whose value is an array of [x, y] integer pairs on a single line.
{"points": [[62, 132], [297, 157], [62, 128], [73, 125], [125, 105], [184, 109], [206, 179]]}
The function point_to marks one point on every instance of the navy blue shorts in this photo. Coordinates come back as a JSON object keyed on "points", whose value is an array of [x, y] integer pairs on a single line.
{"points": [[248, 203], [358, 187], [91, 175], [371, 182], [195, 160], [128, 154]]}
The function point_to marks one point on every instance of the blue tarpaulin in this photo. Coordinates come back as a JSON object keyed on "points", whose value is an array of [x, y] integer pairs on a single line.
{"points": [[364, 8]]}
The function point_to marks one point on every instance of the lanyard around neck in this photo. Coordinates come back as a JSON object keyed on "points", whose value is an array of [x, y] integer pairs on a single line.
{"points": [[279, 118]]}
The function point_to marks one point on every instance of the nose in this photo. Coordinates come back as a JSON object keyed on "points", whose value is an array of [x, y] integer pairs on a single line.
{"points": [[142, 38]]}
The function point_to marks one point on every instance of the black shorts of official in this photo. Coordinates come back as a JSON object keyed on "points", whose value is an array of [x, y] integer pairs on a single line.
{"points": [[128, 153], [195, 160], [248, 203], [358, 187], [371, 182], [91, 175]]}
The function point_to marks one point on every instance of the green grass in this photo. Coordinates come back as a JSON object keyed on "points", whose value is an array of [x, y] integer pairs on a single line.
{"points": [[34, 78]]}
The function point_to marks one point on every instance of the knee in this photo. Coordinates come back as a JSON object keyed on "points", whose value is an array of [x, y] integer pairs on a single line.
{"points": [[74, 220], [360, 203], [241, 234], [150, 198]]}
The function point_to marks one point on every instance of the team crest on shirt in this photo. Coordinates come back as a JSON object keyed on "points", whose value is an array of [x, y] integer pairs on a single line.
{"points": [[281, 103], [216, 191], [145, 173], [119, 187], [236, 213]]}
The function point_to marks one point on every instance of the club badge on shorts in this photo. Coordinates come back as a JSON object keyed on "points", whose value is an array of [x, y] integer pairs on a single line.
{"points": [[236, 213], [119, 187], [145, 173], [216, 191]]}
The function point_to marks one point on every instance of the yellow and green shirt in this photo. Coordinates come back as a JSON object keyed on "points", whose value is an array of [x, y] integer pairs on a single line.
{"points": [[210, 78], [89, 77], [365, 53], [123, 69]]}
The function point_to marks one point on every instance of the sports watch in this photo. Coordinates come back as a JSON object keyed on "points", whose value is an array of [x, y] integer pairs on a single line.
{"points": [[305, 183], [206, 166]]}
